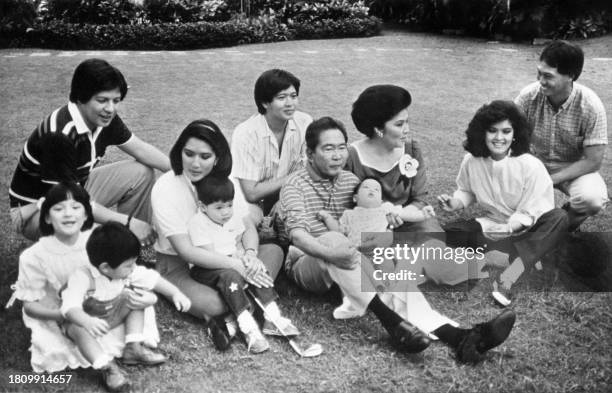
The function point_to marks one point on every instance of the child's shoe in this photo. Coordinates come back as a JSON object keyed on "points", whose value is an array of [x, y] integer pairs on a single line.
{"points": [[345, 310], [114, 378], [502, 293], [136, 353], [256, 342], [287, 328], [217, 331]]}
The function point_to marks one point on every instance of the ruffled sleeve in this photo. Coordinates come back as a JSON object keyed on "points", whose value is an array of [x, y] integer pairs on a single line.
{"points": [[31, 282]]}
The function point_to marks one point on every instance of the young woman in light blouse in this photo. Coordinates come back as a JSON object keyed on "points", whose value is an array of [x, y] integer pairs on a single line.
{"points": [[514, 189]]}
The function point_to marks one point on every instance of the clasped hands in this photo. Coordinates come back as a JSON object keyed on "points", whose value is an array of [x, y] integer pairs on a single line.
{"points": [[255, 271]]}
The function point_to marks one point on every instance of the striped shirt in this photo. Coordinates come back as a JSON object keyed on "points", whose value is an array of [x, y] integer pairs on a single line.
{"points": [[306, 193], [28, 185], [255, 151], [559, 137]]}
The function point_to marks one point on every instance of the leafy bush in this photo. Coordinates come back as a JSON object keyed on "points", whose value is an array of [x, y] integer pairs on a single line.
{"points": [[521, 19], [99, 12], [331, 28], [17, 14], [178, 36], [185, 11], [301, 11], [583, 27], [312, 11]]}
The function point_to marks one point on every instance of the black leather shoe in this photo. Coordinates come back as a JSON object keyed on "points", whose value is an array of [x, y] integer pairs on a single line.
{"points": [[218, 333], [496, 331], [485, 336], [408, 338]]}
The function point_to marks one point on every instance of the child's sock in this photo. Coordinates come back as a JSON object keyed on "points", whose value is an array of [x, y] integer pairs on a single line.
{"points": [[101, 362], [231, 324], [246, 322], [512, 272], [272, 312], [388, 318]]}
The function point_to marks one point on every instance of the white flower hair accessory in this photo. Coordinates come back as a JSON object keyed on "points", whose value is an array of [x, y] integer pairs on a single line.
{"points": [[408, 166]]}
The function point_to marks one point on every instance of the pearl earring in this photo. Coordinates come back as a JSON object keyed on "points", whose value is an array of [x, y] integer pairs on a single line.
{"points": [[378, 133]]}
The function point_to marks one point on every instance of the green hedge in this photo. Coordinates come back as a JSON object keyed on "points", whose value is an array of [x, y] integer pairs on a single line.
{"points": [[178, 36], [518, 19]]}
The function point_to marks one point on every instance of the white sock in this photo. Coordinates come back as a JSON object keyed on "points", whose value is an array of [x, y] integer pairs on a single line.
{"points": [[101, 361], [512, 272], [231, 324], [272, 312], [134, 338], [246, 322]]}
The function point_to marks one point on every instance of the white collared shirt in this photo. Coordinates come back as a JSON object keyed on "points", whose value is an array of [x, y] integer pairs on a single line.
{"points": [[255, 150]]}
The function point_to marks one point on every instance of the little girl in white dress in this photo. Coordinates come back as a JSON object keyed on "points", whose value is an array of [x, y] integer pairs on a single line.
{"points": [[44, 268]]}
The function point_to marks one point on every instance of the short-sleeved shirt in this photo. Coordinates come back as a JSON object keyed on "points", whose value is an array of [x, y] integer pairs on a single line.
{"points": [[222, 239], [306, 193], [174, 202], [28, 184], [396, 188], [104, 288], [255, 152], [559, 137]]}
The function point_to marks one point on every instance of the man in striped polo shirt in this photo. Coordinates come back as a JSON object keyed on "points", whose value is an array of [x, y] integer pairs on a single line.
{"points": [[269, 146], [85, 127], [318, 258], [570, 129]]}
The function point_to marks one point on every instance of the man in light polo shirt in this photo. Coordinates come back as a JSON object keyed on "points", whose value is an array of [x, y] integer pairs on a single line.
{"points": [[269, 146], [319, 258], [86, 126], [570, 129]]}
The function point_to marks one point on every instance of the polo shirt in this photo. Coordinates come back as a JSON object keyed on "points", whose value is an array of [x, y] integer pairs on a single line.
{"points": [[222, 239], [28, 184], [306, 193], [255, 152], [559, 137]]}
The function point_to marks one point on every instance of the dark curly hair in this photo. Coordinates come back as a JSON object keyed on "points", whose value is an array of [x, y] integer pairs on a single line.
{"points": [[493, 113]]}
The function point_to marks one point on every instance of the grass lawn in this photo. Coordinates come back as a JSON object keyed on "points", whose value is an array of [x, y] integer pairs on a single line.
{"points": [[562, 340]]}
